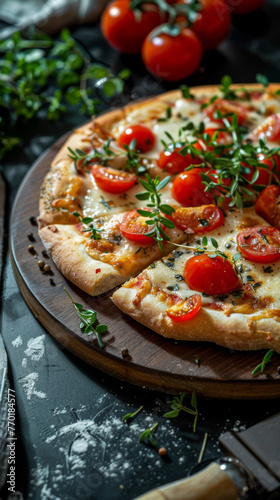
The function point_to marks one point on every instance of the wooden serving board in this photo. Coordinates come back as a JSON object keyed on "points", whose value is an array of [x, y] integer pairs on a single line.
{"points": [[153, 361]]}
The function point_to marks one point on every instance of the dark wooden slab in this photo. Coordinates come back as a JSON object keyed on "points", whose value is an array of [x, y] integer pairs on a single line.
{"points": [[153, 361]]}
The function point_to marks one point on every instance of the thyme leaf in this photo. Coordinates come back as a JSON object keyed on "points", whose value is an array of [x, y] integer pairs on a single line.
{"points": [[178, 406], [148, 435], [266, 359], [129, 416], [89, 226]]}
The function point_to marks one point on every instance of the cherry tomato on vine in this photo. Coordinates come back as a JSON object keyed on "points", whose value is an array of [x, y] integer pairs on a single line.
{"points": [[183, 311], [269, 129], [212, 22], [188, 189], [225, 106], [259, 244], [265, 177], [144, 137], [133, 226], [172, 58], [267, 205], [214, 276], [198, 220], [174, 162], [111, 180], [244, 6], [123, 30]]}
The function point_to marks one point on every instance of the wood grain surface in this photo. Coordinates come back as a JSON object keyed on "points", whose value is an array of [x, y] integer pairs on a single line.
{"points": [[153, 361]]}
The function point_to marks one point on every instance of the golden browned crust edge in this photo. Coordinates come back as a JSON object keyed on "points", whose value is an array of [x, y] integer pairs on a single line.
{"points": [[234, 332], [92, 276]]}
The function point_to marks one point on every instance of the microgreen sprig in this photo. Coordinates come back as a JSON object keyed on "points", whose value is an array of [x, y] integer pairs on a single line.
{"points": [[154, 217], [178, 406], [89, 226], [266, 359], [129, 416], [88, 318], [148, 435]]}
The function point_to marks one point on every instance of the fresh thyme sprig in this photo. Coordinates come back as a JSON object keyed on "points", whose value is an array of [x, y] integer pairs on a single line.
{"points": [[178, 406], [88, 318], [129, 416], [148, 435], [204, 247], [266, 359], [154, 217], [89, 226]]}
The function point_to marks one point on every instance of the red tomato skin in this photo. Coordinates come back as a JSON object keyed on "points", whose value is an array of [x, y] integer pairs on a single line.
{"points": [[133, 230], [172, 58], [121, 29], [245, 6], [213, 276], [188, 219], [267, 205], [193, 303], [175, 163], [225, 107], [145, 138], [254, 252], [265, 178], [188, 189], [113, 181], [213, 23]]}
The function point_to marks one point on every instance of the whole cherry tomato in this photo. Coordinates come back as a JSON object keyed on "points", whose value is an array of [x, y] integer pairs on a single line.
{"points": [[183, 311], [144, 137], [172, 58], [212, 22], [244, 6], [111, 180], [225, 107], [133, 226], [124, 30], [214, 276], [198, 220], [174, 162], [267, 205], [188, 189], [259, 244]]}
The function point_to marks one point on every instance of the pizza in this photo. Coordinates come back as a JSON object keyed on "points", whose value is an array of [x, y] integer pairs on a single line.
{"points": [[173, 205]]}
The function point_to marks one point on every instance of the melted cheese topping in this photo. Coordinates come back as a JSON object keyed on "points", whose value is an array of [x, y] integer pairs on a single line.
{"points": [[167, 274]]}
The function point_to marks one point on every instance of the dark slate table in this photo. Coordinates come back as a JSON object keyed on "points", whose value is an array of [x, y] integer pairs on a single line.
{"points": [[71, 441]]}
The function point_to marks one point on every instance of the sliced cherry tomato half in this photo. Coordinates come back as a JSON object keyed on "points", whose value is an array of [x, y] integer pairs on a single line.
{"points": [[111, 180], [198, 220], [267, 173], [213, 276], [145, 138], [133, 226], [225, 106], [267, 205], [183, 311], [188, 189], [259, 243], [175, 163], [269, 129]]}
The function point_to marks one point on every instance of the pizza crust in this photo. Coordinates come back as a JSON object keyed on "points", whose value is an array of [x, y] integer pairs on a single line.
{"points": [[235, 331]]}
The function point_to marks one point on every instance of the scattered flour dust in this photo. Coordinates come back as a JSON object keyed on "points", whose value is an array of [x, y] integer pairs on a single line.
{"points": [[35, 348], [17, 342], [28, 384]]}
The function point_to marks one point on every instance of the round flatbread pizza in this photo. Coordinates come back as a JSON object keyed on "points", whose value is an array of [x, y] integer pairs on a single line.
{"points": [[176, 199]]}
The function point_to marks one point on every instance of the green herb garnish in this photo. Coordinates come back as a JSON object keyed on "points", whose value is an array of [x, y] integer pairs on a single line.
{"points": [[177, 406], [148, 435], [89, 226], [132, 415], [203, 447], [88, 318], [261, 367]]}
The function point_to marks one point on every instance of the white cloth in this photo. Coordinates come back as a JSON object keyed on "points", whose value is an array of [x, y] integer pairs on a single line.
{"points": [[49, 16]]}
